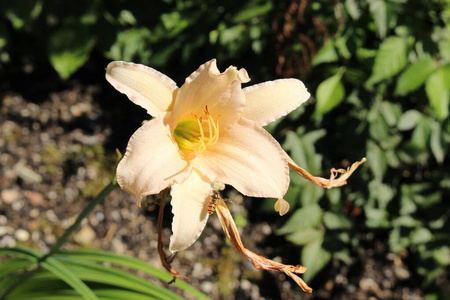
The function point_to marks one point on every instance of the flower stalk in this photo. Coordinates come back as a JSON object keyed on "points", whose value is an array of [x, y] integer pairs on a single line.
{"points": [[166, 261]]}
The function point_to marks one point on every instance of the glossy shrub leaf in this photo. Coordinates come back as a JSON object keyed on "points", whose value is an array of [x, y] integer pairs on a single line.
{"points": [[415, 75], [409, 120], [311, 194], [305, 217], [398, 242], [391, 112], [379, 129], [329, 94], [301, 148], [353, 9], [21, 13], [376, 159], [341, 46], [69, 48], [132, 44], [442, 255], [421, 135], [407, 205], [252, 11], [405, 221], [305, 236], [383, 193], [391, 58], [445, 69], [126, 17], [315, 258], [336, 221], [438, 94], [436, 144], [444, 47], [379, 13], [421, 236], [326, 54], [376, 218]]}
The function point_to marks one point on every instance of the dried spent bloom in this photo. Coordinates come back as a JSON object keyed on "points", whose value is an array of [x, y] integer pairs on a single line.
{"points": [[208, 131], [260, 262]]}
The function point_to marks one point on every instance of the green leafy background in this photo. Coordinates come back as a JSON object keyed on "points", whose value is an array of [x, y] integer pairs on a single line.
{"points": [[379, 75]]}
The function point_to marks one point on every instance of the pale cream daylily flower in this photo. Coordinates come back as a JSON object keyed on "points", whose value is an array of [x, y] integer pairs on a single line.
{"points": [[206, 132]]}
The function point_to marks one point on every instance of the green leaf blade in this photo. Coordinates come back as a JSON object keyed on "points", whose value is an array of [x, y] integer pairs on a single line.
{"points": [[69, 48], [330, 94], [391, 58], [306, 217], [415, 76], [315, 258], [438, 95], [65, 274], [133, 263]]}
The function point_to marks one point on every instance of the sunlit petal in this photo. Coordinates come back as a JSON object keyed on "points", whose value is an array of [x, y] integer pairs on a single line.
{"points": [[249, 159], [190, 209], [205, 88], [144, 86], [271, 100], [152, 161]]}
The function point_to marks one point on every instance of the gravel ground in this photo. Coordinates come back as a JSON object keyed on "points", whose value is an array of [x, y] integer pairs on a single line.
{"points": [[57, 152]]}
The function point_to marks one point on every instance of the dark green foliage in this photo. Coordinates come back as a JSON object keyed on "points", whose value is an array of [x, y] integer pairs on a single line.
{"points": [[394, 111]]}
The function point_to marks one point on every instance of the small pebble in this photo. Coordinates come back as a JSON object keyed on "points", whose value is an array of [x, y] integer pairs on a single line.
{"points": [[85, 236], [35, 198], [7, 241], [9, 196], [4, 230], [100, 216], [118, 246], [22, 235], [34, 213], [266, 229], [17, 205], [207, 287]]}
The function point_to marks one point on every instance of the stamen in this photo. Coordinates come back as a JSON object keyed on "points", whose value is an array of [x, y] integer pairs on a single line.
{"points": [[192, 139]]}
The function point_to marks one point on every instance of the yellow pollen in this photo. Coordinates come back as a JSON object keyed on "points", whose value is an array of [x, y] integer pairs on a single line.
{"points": [[195, 135]]}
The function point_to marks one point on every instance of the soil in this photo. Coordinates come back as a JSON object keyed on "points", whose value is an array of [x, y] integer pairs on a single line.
{"points": [[57, 150]]}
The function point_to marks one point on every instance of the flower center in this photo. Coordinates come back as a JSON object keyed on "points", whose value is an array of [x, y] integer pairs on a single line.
{"points": [[194, 135]]}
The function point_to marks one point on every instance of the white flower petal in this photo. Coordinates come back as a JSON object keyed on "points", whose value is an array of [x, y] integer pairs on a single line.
{"points": [[271, 100], [152, 161], [190, 209], [249, 159], [144, 86], [205, 87]]}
